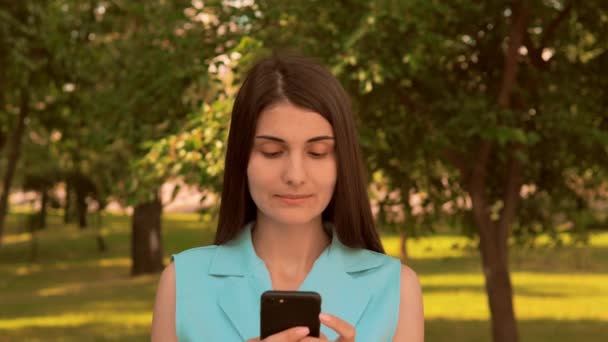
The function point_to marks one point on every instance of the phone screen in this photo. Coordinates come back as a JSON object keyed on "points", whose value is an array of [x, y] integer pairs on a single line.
{"points": [[281, 310]]}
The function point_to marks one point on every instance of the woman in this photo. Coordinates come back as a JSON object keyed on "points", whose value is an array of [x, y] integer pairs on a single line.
{"points": [[294, 215]]}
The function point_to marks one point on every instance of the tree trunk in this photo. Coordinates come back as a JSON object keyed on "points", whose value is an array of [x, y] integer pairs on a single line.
{"points": [[2, 141], [33, 246], [67, 214], [101, 243], [408, 219], [497, 282], [500, 298], [14, 152], [146, 246], [43, 208], [81, 201], [493, 245], [81, 205], [3, 71], [494, 235], [402, 244]]}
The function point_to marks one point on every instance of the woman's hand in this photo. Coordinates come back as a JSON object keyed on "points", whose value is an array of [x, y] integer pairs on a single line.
{"points": [[345, 331], [290, 335]]}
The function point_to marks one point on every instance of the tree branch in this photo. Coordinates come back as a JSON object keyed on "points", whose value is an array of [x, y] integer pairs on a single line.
{"points": [[553, 25], [534, 52], [516, 35]]}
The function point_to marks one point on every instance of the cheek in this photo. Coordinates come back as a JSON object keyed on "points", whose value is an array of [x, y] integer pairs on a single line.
{"points": [[259, 175], [326, 176]]}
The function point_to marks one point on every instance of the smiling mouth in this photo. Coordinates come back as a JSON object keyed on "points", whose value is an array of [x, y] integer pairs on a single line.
{"points": [[293, 199], [294, 196]]}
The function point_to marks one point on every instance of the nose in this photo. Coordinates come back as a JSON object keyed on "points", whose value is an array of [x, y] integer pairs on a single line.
{"points": [[294, 173]]}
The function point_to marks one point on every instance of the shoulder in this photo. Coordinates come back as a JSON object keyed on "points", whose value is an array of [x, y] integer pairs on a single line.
{"points": [[166, 285], [163, 319], [410, 326], [409, 280], [168, 274], [194, 256], [196, 252], [180, 270], [359, 259]]}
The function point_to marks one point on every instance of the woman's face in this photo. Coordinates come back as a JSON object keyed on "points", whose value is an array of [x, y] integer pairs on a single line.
{"points": [[292, 166]]}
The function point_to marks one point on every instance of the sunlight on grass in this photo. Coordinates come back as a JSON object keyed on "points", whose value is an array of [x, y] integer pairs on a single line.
{"points": [[28, 269], [429, 247], [189, 217], [125, 262], [16, 238], [455, 305], [561, 296], [74, 292], [537, 296], [599, 240], [435, 247], [451, 280], [454, 296], [60, 290], [72, 288], [118, 318]]}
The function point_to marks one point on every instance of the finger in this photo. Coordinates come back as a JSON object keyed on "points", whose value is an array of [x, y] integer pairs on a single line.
{"points": [[344, 329], [289, 335], [321, 337]]}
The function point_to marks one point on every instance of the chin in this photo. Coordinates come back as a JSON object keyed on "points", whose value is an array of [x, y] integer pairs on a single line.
{"points": [[292, 218]]}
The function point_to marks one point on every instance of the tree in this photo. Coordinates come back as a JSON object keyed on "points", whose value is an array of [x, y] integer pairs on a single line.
{"points": [[487, 95], [167, 49], [122, 74], [25, 57]]}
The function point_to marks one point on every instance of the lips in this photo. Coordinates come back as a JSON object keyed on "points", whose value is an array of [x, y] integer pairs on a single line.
{"points": [[293, 199], [294, 196]]}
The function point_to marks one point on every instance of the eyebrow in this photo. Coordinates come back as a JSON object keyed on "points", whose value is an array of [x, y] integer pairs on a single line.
{"points": [[277, 139]]}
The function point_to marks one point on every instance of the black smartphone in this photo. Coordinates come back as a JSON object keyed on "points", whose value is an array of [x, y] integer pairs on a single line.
{"points": [[281, 310]]}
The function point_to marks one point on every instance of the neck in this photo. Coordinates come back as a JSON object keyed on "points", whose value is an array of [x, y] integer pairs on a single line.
{"points": [[289, 250]]}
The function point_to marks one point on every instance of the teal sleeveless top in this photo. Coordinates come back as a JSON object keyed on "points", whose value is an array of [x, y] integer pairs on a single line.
{"points": [[218, 290]]}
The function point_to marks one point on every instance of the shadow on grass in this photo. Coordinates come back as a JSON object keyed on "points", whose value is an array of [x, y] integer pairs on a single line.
{"points": [[91, 293], [87, 332], [440, 330], [73, 245], [436, 330], [578, 260], [519, 290], [71, 277], [439, 266]]}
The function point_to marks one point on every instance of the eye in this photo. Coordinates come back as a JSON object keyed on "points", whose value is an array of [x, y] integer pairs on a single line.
{"points": [[317, 155], [272, 154]]}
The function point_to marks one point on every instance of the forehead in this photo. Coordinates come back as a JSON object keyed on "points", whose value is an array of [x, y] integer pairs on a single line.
{"points": [[292, 123]]}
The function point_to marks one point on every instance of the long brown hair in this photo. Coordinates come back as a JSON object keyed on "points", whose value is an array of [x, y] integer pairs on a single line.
{"points": [[309, 85]]}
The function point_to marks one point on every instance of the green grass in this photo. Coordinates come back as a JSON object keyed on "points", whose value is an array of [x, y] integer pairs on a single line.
{"points": [[74, 293]]}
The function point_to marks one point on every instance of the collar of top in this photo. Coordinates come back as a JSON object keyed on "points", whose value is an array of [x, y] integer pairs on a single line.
{"points": [[238, 257]]}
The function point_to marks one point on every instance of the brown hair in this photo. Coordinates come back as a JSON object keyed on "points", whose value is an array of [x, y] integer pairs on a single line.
{"points": [[307, 84]]}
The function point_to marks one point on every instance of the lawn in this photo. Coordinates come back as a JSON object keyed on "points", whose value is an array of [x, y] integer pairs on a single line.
{"points": [[74, 293]]}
